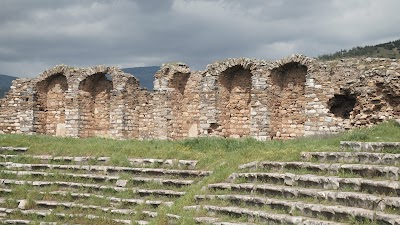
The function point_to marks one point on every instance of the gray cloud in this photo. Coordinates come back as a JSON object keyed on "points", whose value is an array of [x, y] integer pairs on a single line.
{"points": [[36, 35]]}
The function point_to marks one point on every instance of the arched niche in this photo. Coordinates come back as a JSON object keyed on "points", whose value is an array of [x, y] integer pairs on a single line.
{"points": [[180, 102], [94, 105], [288, 100], [234, 101], [50, 114]]}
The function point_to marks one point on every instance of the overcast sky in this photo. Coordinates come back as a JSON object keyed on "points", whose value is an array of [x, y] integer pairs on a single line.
{"points": [[39, 34]]}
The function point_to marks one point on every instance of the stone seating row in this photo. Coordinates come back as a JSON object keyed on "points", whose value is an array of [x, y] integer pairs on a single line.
{"points": [[263, 217], [335, 212], [353, 157], [392, 172], [44, 213], [346, 198], [13, 149], [51, 204], [99, 177], [108, 169], [76, 185], [190, 164], [325, 182], [77, 195], [369, 146]]}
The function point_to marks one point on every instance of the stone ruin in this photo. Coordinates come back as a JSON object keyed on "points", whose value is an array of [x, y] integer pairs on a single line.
{"points": [[292, 97]]}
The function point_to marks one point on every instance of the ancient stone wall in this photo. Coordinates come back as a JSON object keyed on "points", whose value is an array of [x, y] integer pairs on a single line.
{"points": [[241, 97]]}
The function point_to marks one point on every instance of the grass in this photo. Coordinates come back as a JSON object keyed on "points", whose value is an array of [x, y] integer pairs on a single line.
{"points": [[211, 152], [222, 156]]}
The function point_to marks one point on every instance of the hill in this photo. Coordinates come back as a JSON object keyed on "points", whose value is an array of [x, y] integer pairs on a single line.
{"points": [[5, 83], [386, 50], [144, 74]]}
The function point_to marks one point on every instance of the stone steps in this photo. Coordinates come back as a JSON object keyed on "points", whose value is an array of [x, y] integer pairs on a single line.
{"points": [[108, 169], [103, 178], [335, 187], [13, 149], [142, 162], [261, 215], [56, 204], [231, 223], [324, 182], [44, 213], [352, 199], [96, 189], [335, 213], [369, 146], [75, 185], [32, 222], [134, 201], [353, 157], [371, 171]]}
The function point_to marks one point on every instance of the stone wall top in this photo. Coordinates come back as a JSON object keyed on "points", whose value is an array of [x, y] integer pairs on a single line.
{"points": [[218, 67]]}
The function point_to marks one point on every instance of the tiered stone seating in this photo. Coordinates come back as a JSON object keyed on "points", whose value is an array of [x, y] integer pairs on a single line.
{"points": [[325, 188], [63, 189], [354, 186]]}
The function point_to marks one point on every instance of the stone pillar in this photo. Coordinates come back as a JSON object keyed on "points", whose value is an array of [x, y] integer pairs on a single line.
{"points": [[161, 111], [117, 113], [25, 103], [208, 110], [72, 112], [259, 115]]}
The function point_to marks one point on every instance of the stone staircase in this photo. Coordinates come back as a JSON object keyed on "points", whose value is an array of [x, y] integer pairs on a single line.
{"points": [[359, 185], [89, 190]]}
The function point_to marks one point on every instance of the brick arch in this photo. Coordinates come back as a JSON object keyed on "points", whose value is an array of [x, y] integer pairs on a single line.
{"points": [[94, 97], [287, 99], [234, 98], [50, 97]]}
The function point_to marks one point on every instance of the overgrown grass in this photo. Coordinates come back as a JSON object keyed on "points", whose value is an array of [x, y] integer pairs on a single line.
{"points": [[211, 152]]}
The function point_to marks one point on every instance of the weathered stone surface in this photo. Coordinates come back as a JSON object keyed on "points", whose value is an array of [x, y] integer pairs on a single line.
{"points": [[392, 172], [121, 183], [190, 164], [161, 192], [353, 199], [305, 208], [108, 169], [13, 149], [266, 217], [22, 204], [369, 146], [237, 97], [113, 199], [43, 213], [325, 182], [349, 157]]}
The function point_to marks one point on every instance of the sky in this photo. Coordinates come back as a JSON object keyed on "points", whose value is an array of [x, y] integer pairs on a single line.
{"points": [[39, 34]]}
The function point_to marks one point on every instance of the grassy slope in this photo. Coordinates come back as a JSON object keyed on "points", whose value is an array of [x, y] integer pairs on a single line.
{"points": [[219, 155]]}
